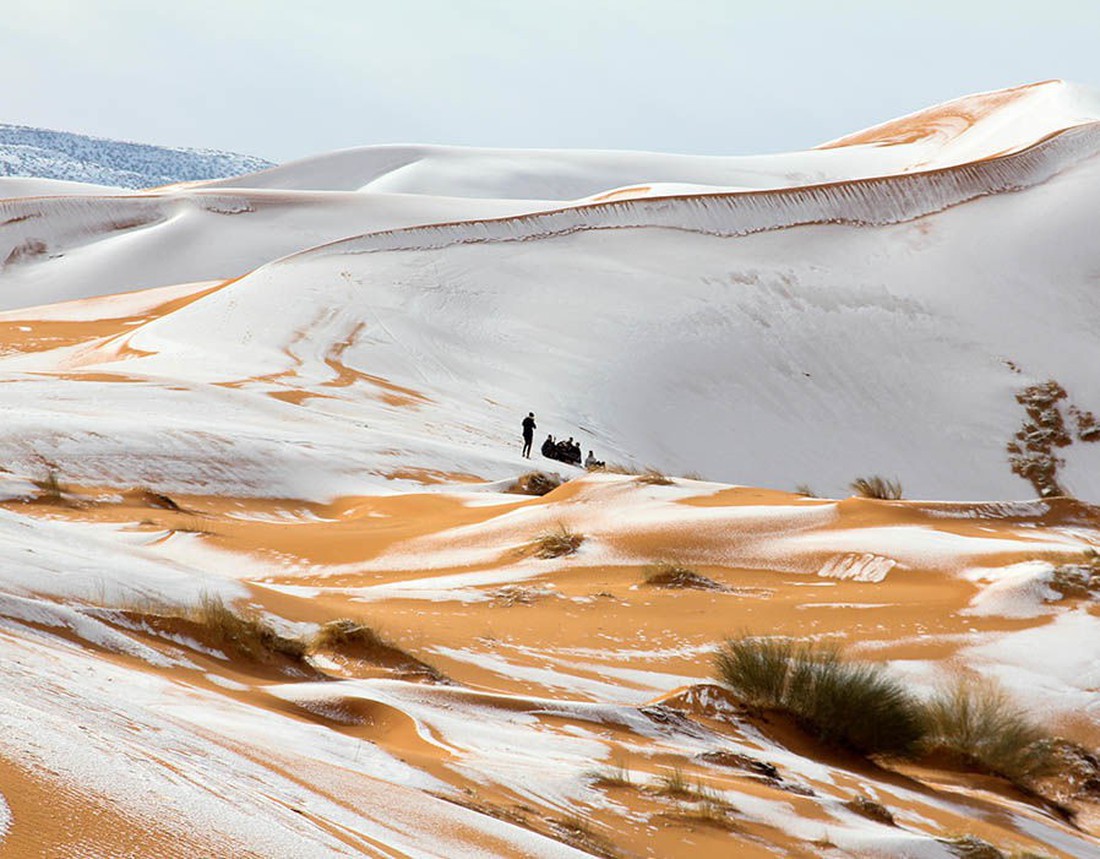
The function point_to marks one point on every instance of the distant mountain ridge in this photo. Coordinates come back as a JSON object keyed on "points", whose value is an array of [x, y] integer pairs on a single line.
{"points": [[38, 152]]}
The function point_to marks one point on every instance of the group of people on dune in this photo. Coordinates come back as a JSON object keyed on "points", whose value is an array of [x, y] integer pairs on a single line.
{"points": [[566, 450]]}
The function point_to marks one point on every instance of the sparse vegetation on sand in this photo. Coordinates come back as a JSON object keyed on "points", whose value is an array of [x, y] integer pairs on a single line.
{"points": [[854, 705], [576, 832], [557, 543], [618, 774], [242, 632], [669, 575], [653, 477], [804, 490], [857, 705], [535, 483], [977, 722], [358, 640], [878, 487]]}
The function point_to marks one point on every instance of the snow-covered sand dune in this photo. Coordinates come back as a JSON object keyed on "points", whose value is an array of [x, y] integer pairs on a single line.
{"points": [[300, 389], [886, 324]]}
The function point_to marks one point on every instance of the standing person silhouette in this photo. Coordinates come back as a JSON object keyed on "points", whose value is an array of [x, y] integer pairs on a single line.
{"points": [[528, 434]]}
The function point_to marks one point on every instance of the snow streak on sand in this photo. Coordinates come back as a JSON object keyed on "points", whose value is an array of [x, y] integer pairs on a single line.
{"points": [[295, 393]]}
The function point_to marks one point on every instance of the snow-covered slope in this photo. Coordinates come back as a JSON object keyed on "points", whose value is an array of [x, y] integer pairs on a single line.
{"points": [[48, 154], [299, 392], [893, 321]]}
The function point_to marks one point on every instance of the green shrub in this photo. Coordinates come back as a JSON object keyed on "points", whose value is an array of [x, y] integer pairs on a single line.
{"points": [[979, 723], [854, 705]]}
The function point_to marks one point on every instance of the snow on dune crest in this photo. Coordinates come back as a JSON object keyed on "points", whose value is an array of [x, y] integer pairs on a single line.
{"points": [[984, 124], [958, 132]]}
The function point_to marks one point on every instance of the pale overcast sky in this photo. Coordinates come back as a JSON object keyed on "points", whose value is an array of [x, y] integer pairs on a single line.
{"points": [[287, 79]]}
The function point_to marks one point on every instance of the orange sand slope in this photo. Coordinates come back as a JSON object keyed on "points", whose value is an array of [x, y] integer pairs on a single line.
{"points": [[517, 686]]}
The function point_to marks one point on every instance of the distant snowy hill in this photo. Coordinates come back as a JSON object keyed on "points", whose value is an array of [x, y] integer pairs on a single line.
{"points": [[76, 157]]}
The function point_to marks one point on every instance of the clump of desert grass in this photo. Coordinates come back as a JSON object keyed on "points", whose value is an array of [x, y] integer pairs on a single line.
{"points": [[696, 801], [537, 483], [666, 574], [805, 491], [878, 487], [578, 833], [359, 640], [653, 477], [242, 632], [854, 705], [617, 774], [645, 475], [978, 723], [344, 634], [859, 706], [557, 543]]}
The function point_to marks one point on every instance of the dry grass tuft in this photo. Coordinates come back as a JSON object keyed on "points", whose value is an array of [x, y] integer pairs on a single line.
{"points": [[653, 477], [576, 832], [557, 543], [344, 634], [359, 641], [618, 774], [853, 705], [977, 722], [536, 483], [669, 575], [243, 632], [675, 783], [878, 487], [805, 491]]}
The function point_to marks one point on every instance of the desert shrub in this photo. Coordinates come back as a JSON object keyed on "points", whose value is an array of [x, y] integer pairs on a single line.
{"points": [[535, 483], [357, 639], [979, 723], [805, 490], [669, 575], [653, 477], [557, 543], [757, 668], [877, 487], [346, 633], [855, 705], [244, 633]]}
